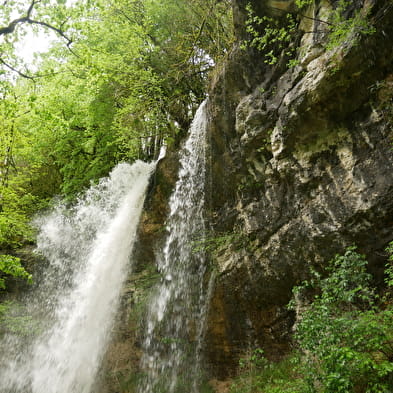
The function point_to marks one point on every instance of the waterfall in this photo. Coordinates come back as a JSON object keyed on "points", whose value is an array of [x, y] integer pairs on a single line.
{"points": [[175, 320], [88, 250]]}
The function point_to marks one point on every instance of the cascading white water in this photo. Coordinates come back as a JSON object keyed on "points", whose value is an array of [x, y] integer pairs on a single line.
{"points": [[88, 249], [176, 314]]}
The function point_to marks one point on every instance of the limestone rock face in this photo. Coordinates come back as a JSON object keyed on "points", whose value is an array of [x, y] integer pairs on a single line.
{"points": [[302, 167]]}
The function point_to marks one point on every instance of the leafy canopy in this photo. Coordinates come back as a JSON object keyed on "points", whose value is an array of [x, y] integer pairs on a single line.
{"points": [[122, 79]]}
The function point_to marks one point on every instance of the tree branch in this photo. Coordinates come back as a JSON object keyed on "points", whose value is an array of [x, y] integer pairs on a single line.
{"points": [[27, 19], [12, 25], [20, 73], [55, 29], [27, 76]]}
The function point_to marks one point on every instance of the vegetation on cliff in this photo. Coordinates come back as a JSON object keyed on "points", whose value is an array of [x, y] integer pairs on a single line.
{"points": [[303, 194], [278, 37], [343, 338]]}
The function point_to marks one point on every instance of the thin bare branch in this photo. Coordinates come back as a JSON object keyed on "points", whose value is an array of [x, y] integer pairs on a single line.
{"points": [[20, 73], [31, 7], [27, 19], [31, 77], [55, 29]]}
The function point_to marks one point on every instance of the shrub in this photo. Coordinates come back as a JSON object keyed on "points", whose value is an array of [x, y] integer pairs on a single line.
{"points": [[11, 265], [346, 340]]}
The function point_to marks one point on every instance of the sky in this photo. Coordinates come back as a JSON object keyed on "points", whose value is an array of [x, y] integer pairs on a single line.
{"points": [[33, 43]]}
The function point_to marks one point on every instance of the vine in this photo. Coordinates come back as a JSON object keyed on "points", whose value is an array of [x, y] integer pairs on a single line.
{"points": [[343, 29], [270, 36], [275, 37]]}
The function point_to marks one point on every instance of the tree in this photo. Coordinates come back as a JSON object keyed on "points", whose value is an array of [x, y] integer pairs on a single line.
{"points": [[19, 17], [134, 76]]}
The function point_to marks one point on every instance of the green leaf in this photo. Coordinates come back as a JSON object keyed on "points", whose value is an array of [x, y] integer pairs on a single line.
{"points": [[11, 265]]}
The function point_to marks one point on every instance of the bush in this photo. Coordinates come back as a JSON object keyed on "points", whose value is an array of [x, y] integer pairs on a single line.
{"points": [[260, 375], [11, 265], [344, 337], [346, 340]]}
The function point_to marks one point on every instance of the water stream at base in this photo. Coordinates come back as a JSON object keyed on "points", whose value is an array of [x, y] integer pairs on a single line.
{"points": [[177, 312], [88, 250]]}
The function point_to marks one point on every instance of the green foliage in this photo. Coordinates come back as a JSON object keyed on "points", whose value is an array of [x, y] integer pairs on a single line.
{"points": [[16, 208], [21, 18], [345, 339], [347, 282], [70, 125], [26, 182], [347, 29], [301, 4], [11, 265], [275, 37], [248, 183], [128, 81], [389, 268], [254, 361], [216, 242], [257, 374], [14, 229], [271, 36]]}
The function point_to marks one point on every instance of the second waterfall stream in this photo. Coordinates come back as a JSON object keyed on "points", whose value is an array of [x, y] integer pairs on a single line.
{"points": [[176, 315]]}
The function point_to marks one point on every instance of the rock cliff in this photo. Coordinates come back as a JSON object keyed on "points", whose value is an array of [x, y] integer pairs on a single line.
{"points": [[302, 167]]}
